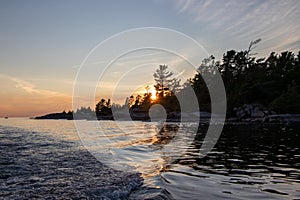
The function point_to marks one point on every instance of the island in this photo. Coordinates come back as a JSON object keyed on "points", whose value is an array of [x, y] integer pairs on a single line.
{"points": [[257, 89]]}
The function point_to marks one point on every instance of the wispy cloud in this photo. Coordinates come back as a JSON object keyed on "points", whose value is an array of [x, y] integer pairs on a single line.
{"points": [[29, 87], [67, 82], [273, 21], [125, 58]]}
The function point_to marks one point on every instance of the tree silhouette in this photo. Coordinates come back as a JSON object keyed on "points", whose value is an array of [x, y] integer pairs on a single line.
{"points": [[199, 85], [165, 83], [103, 108], [166, 87], [273, 83]]}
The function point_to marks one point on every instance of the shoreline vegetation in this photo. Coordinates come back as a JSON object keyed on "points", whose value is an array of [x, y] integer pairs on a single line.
{"points": [[263, 90], [203, 117]]}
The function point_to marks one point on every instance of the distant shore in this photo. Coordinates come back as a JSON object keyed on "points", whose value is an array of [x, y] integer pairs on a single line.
{"points": [[63, 115], [177, 117]]}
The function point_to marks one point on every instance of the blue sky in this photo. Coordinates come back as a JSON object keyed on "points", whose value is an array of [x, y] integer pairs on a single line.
{"points": [[42, 43]]}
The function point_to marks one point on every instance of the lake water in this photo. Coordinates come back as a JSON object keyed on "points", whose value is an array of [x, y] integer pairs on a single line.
{"points": [[140, 160]]}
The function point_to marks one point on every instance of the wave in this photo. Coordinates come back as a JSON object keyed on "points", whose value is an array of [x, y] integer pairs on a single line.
{"points": [[36, 165]]}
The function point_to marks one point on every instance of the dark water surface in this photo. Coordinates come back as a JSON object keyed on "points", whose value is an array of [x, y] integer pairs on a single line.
{"points": [[37, 166], [249, 161], [47, 159]]}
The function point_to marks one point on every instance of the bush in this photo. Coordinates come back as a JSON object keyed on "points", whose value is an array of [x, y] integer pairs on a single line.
{"points": [[288, 102]]}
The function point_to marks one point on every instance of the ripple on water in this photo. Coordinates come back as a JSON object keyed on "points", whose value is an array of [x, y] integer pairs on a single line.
{"points": [[256, 162], [50, 170]]}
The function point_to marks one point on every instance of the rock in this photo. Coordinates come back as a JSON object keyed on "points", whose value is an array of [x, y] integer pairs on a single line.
{"points": [[258, 114], [250, 111]]}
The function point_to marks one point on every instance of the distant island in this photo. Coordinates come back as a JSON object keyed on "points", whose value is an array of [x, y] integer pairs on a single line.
{"points": [[62, 115], [257, 89]]}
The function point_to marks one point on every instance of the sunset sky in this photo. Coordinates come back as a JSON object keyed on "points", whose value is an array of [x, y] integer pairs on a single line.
{"points": [[43, 43]]}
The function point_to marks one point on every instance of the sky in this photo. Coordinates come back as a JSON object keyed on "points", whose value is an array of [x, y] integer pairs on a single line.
{"points": [[44, 43]]}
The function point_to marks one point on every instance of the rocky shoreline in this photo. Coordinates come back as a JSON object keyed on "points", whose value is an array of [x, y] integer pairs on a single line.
{"points": [[190, 117], [248, 113], [258, 114]]}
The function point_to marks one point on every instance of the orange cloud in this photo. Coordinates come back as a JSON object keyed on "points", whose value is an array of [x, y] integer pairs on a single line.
{"points": [[19, 98]]}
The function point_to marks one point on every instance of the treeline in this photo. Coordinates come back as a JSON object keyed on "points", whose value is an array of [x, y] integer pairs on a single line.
{"points": [[271, 83], [163, 92]]}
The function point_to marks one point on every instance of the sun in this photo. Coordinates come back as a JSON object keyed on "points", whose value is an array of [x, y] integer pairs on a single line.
{"points": [[150, 90], [153, 94]]}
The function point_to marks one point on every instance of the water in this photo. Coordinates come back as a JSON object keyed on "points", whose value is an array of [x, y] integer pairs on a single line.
{"points": [[49, 159]]}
